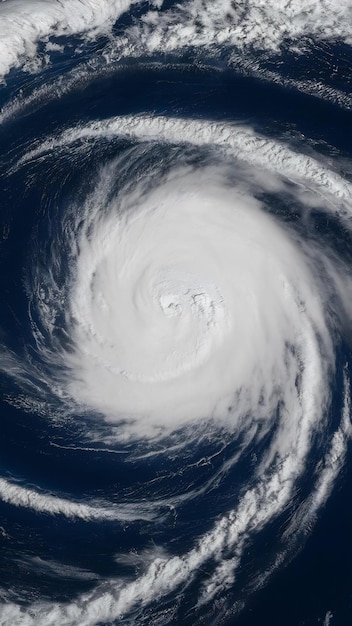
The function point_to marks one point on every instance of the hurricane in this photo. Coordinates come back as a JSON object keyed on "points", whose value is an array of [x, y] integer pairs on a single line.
{"points": [[175, 327]]}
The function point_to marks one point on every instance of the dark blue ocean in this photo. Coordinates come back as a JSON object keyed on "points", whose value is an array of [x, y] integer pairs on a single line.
{"points": [[199, 473]]}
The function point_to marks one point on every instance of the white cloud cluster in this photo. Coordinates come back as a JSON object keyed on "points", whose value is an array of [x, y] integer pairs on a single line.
{"points": [[240, 24], [24, 24]]}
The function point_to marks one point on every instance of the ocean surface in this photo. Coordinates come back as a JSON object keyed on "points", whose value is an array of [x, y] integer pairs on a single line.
{"points": [[176, 313]]}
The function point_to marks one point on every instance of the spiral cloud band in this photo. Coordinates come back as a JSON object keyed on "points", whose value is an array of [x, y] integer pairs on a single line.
{"points": [[188, 304], [175, 350]]}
